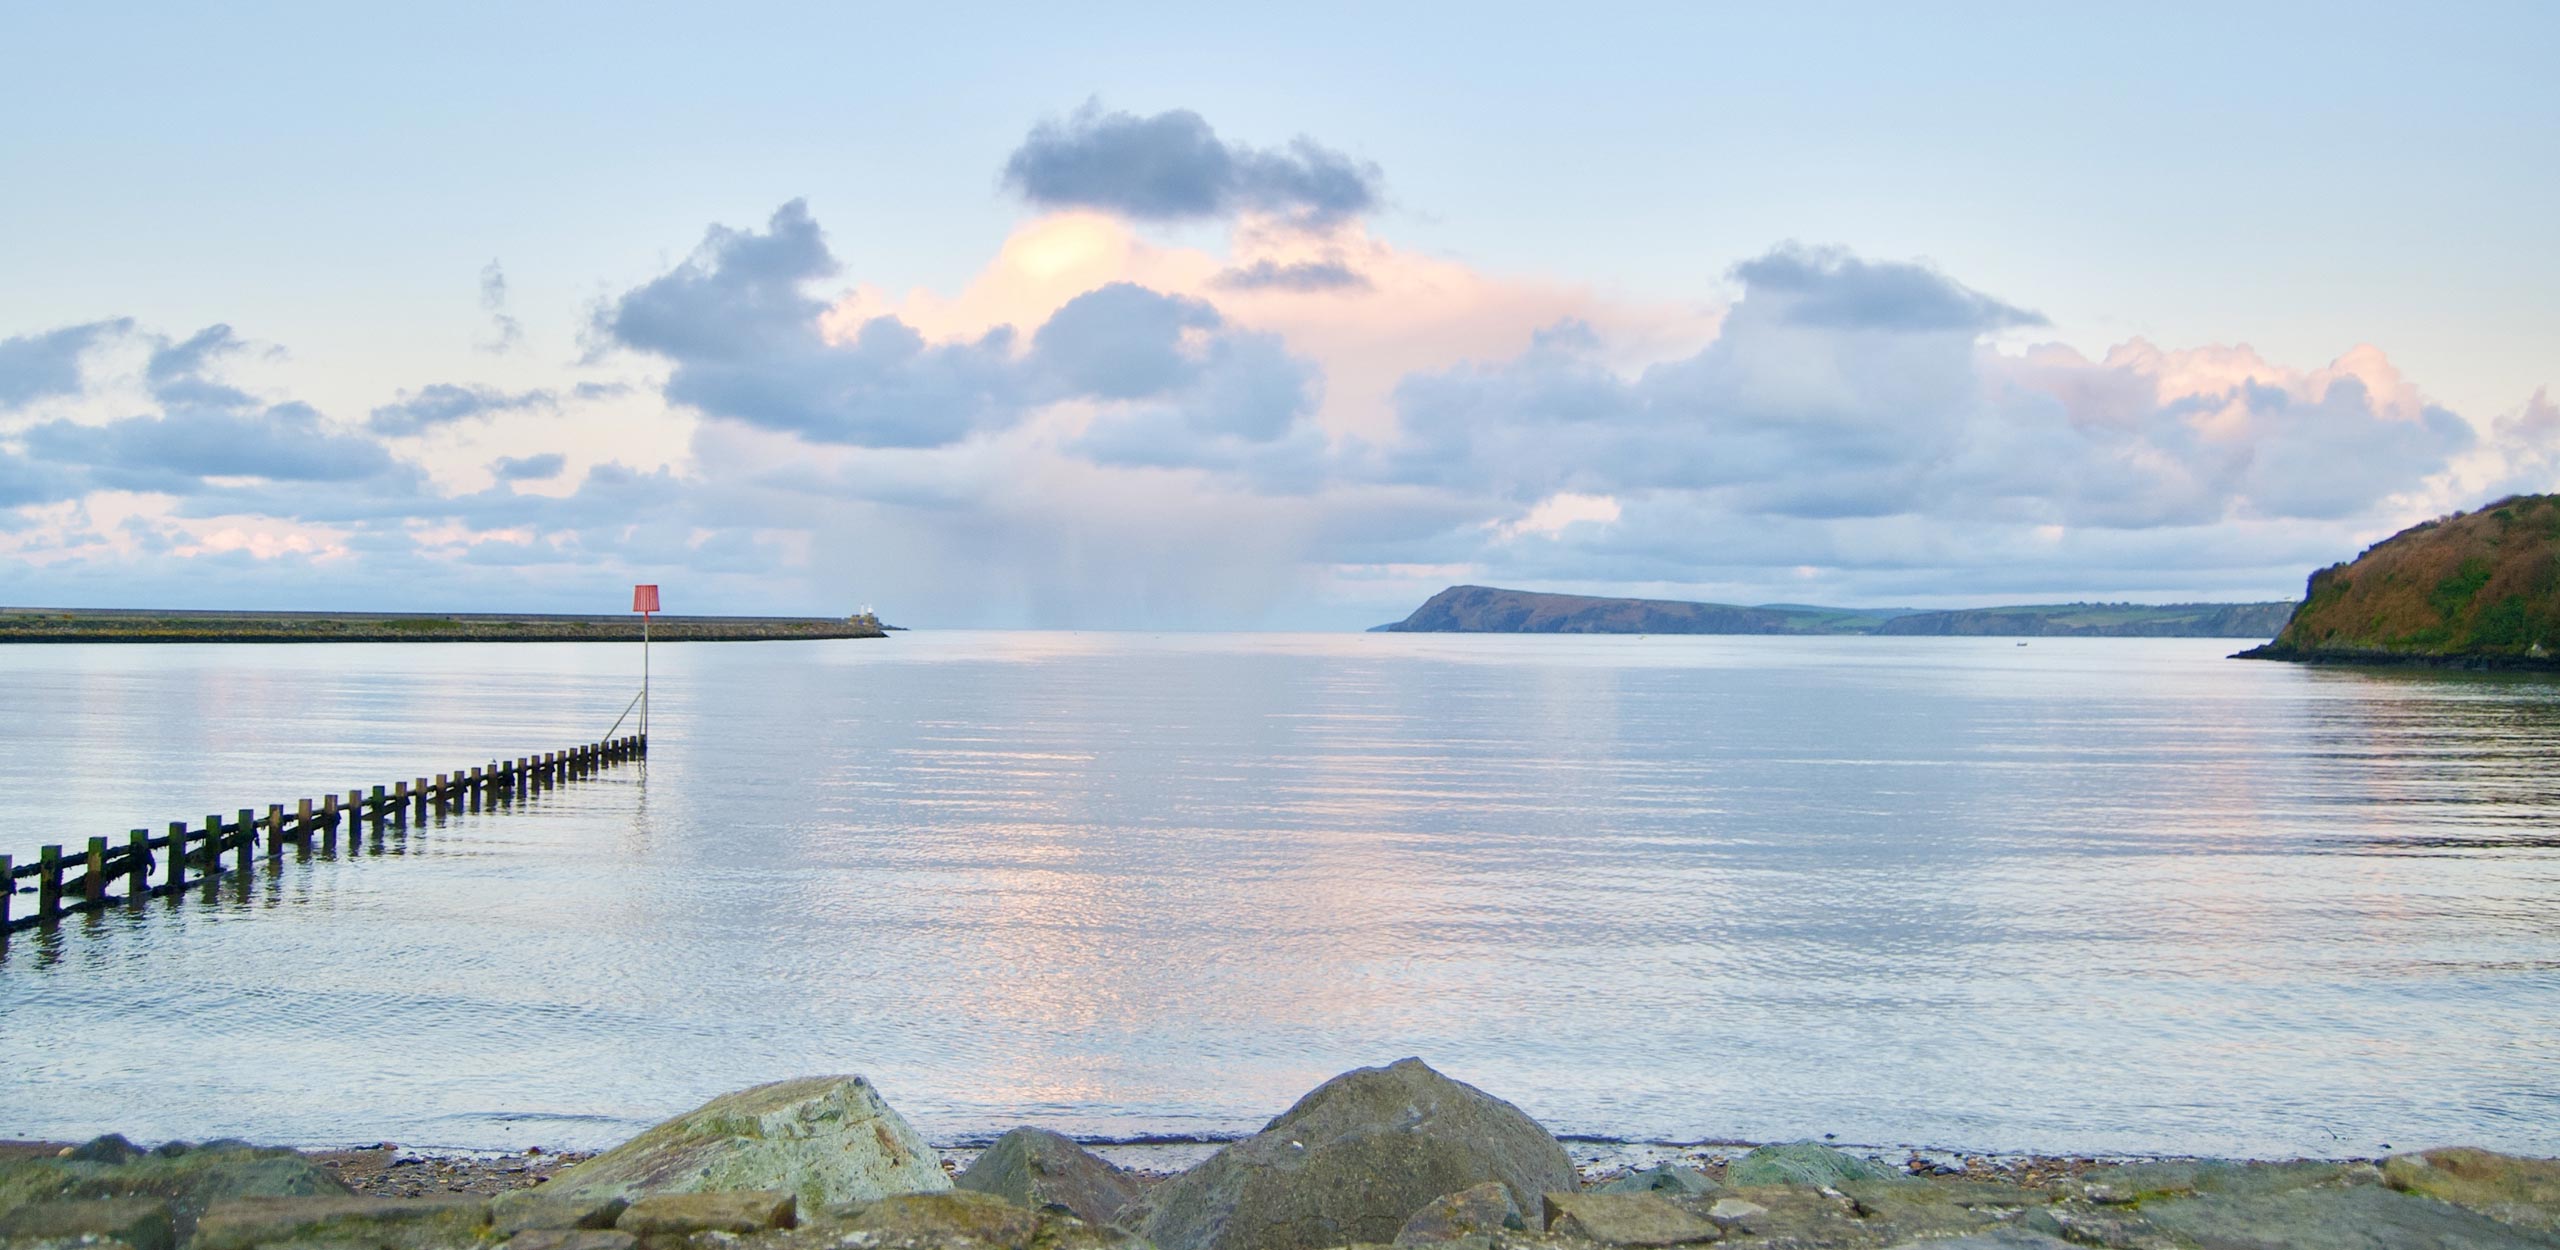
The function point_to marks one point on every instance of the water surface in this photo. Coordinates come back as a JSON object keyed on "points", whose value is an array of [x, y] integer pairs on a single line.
{"points": [[2105, 895]]}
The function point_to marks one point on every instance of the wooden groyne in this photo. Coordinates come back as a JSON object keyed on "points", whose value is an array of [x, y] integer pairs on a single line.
{"points": [[145, 865]]}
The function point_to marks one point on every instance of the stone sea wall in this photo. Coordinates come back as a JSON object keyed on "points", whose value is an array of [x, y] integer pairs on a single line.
{"points": [[1396, 1156]]}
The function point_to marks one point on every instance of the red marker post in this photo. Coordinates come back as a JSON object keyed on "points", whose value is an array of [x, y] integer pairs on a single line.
{"points": [[644, 600]]}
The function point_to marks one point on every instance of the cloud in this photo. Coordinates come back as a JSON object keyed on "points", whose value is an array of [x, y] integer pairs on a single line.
{"points": [[43, 366], [748, 344], [506, 333], [1306, 275], [179, 373], [1172, 166], [529, 468], [442, 403], [1832, 289], [176, 451]]}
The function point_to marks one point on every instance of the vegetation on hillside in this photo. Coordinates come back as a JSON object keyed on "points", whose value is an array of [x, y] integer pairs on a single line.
{"points": [[1492, 610], [2478, 587]]}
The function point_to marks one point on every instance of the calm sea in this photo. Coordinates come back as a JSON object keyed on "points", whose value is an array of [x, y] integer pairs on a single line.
{"points": [[2105, 896]]}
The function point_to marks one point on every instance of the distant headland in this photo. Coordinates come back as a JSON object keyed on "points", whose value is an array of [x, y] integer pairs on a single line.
{"points": [[169, 625], [2471, 590], [1491, 610]]}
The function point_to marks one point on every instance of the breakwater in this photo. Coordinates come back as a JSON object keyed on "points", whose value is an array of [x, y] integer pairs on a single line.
{"points": [[168, 625], [144, 865]]}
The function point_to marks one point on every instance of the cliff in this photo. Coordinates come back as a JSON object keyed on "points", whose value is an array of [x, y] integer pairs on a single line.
{"points": [[2479, 589]]}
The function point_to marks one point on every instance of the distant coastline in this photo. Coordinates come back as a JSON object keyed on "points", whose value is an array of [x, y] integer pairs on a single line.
{"points": [[146, 625], [1493, 610]]}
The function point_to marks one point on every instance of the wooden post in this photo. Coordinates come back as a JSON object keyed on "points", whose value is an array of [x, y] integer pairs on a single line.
{"points": [[137, 865], [381, 809], [177, 876], [276, 824], [8, 894], [240, 850], [329, 822], [419, 794], [249, 837], [440, 790], [355, 821], [49, 885], [302, 823], [94, 886], [400, 801]]}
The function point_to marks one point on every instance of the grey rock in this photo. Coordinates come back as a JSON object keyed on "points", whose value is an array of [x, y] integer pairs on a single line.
{"points": [[381, 1223], [2502, 1187], [749, 1211], [1997, 1239], [572, 1239], [142, 1223], [2359, 1217], [112, 1148], [1480, 1211], [1352, 1160], [826, 1140], [1632, 1219], [527, 1209], [1804, 1163], [189, 1183], [1037, 1168], [1662, 1178]]}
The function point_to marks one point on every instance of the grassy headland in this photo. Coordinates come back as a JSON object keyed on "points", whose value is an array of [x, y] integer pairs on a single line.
{"points": [[155, 625], [2474, 590]]}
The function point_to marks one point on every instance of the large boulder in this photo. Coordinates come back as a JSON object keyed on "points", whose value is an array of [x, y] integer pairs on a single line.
{"points": [[1804, 1163], [823, 1139], [1352, 1160], [1038, 1168]]}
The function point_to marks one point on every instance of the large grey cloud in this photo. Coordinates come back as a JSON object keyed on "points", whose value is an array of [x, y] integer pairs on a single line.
{"points": [[175, 451], [1172, 166], [741, 330], [41, 366]]}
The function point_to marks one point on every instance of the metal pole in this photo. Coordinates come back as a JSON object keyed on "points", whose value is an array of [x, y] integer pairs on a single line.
{"points": [[644, 675]]}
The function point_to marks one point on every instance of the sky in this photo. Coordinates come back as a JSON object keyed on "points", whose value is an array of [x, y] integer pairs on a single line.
{"points": [[1158, 317]]}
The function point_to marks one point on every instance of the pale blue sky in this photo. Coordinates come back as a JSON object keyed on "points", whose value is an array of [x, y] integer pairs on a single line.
{"points": [[331, 181]]}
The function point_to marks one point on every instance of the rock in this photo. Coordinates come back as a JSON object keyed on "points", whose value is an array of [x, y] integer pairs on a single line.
{"points": [[524, 1209], [826, 1140], [1353, 1159], [1997, 1239], [2136, 1182], [958, 1219], [572, 1239], [1662, 1178], [2360, 1217], [377, 1223], [728, 1211], [1732, 1211], [189, 1183], [1477, 1212], [1804, 1163], [2502, 1187], [1038, 1168], [142, 1223], [1636, 1219], [112, 1148]]}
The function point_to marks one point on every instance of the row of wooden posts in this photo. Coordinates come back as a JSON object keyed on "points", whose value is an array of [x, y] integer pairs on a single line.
{"points": [[83, 882]]}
